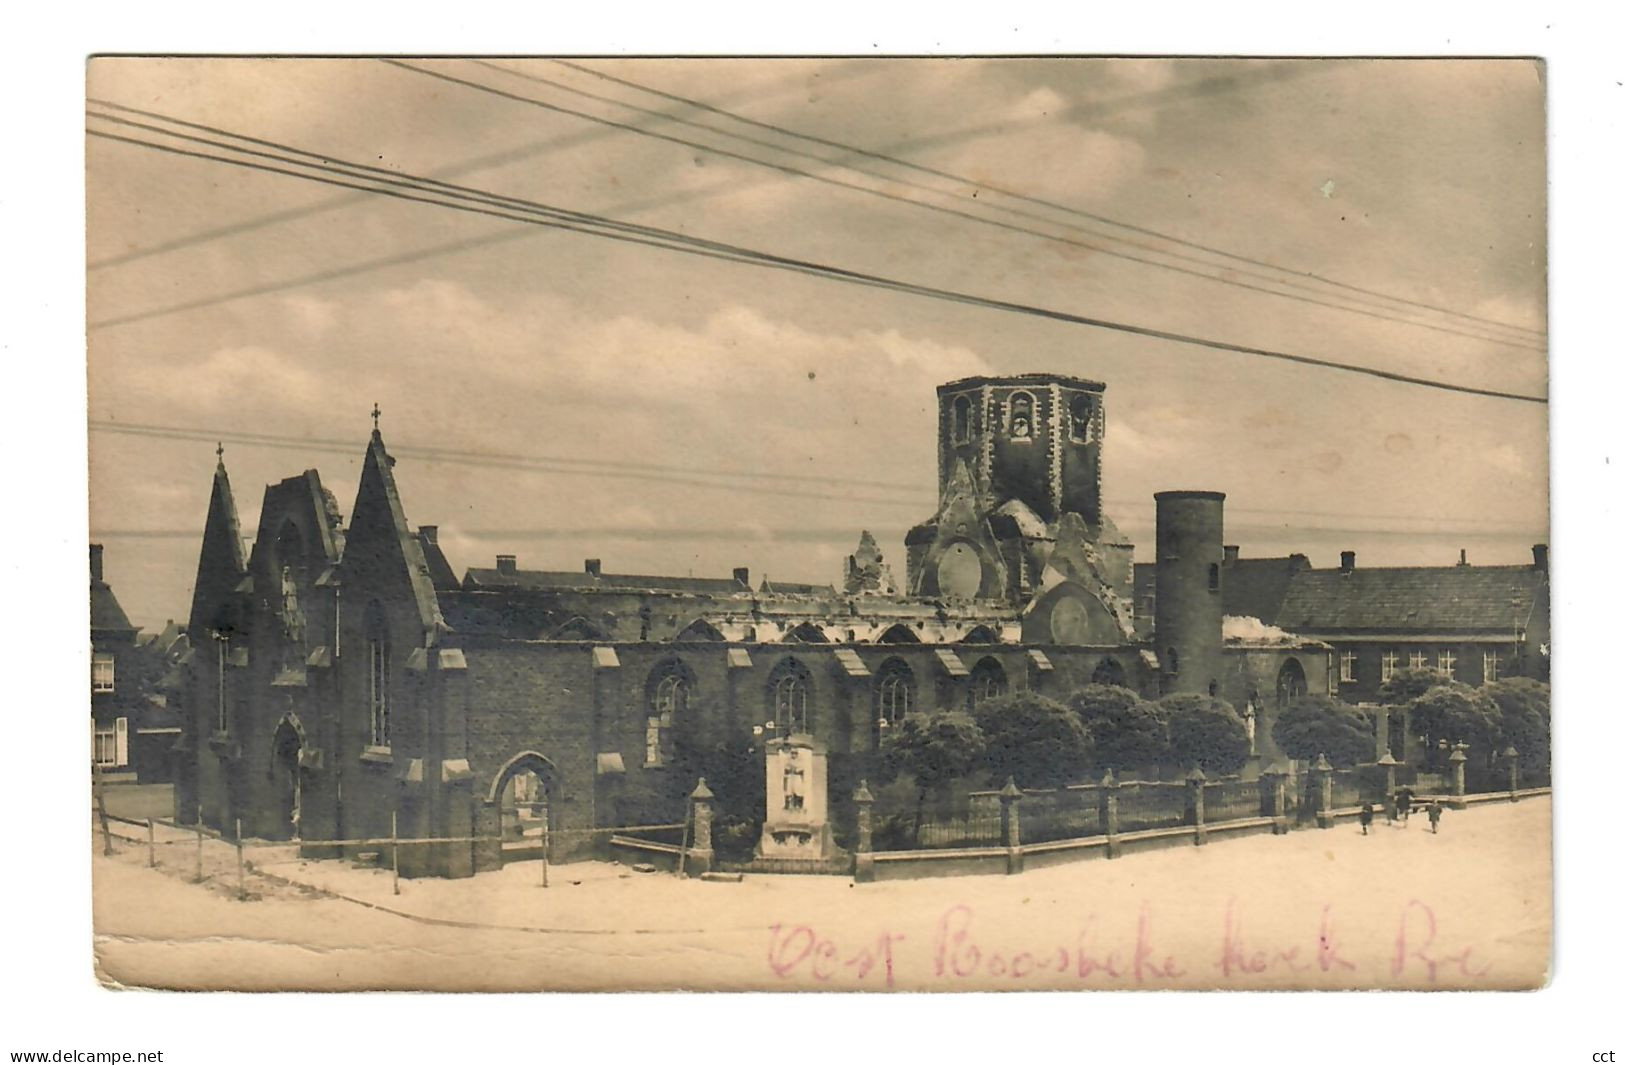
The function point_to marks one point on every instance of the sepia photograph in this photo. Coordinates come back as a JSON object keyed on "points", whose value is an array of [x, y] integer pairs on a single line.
{"points": [[818, 524]]}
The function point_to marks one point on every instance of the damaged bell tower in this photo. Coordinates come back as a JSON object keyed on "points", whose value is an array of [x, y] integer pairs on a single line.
{"points": [[1018, 478]]}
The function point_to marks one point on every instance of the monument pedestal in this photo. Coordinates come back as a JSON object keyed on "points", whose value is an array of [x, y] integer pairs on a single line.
{"points": [[796, 826]]}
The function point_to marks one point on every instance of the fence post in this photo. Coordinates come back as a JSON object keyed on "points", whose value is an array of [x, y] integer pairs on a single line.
{"points": [[1272, 792], [702, 854], [1321, 782], [1010, 824], [1108, 814], [1511, 755], [1458, 777], [863, 867], [394, 852], [1195, 802], [199, 879], [242, 892], [152, 847]]}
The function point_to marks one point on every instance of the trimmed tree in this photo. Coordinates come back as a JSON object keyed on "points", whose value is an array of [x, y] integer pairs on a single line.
{"points": [[1317, 724], [1032, 738], [1205, 731], [1457, 713], [1526, 721], [1128, 732], [1405, 686], [933, 749]]}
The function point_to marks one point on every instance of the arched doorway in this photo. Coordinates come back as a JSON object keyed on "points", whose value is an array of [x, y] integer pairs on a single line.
{"points": [[288, 741], [1290, 684], [521, 794]]}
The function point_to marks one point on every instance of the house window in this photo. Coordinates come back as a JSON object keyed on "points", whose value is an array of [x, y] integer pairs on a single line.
{"points": [[789, 694], [1390, 663], [377, 676], [1020, 424], [1082, 420], [894, 694], [1345, 671], [112, 745], [101, 673], [1492, 666], [1213, 576], [667, 704], [1447, 663], [961, 420], [1419, 660], [1173, 661], [987, 681]]}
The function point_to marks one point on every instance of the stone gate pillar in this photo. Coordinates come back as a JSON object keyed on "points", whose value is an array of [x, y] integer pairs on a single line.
{"points": [[1511, 755], [1010, 823], [1108, 814], [864, 861], [1196, 802], [700, 855], [1321, 785], [1458, 777]]}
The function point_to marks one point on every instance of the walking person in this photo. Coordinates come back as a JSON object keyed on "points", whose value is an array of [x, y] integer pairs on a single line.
{"points": [[1366, 814], [1404, 802], [1435, 811]]}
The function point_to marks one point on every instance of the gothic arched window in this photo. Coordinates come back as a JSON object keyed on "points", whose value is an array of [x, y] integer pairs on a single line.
{"points": [[894, 693], [377, 639], [788, 695], [961, 427], [987, 681], [669, 689]]}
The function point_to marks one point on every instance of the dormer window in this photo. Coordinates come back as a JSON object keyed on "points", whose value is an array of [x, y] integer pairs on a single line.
{"points": [[1020, 423], [1082, 420], [961, 419]]}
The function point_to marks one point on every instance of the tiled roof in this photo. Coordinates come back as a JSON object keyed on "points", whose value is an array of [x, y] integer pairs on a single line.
{"points": [[578, 580], [1256, 587], [106, 616], [1413, 599]]}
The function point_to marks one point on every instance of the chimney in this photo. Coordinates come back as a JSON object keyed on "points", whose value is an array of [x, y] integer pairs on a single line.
{"points": [[1463, 559], [1347, 565], [1542, 557], [742, 576], [96, 562], [594, 567], [430, 533], [508, 564], [1232, 552]]}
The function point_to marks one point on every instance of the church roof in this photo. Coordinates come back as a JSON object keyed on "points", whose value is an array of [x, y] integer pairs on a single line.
{"points": [[576, 580]]}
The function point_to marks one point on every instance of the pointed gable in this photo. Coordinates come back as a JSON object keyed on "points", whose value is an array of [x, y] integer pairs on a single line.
{"points": [[391, 549], [221, 563]]}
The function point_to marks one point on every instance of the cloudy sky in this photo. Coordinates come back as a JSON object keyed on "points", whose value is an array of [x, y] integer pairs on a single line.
{"points": [[675, 414]]}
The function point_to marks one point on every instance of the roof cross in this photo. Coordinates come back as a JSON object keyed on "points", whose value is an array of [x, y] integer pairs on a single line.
{"points": [[375, 413]]}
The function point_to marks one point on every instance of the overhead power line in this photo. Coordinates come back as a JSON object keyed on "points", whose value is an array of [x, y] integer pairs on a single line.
{"points": [[967, 215], [489, 161], [442, 194], [1016, 195], [627, 471], [916, 497]]}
